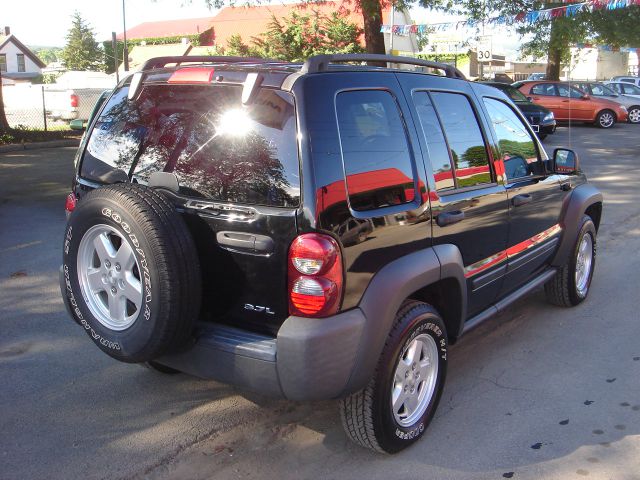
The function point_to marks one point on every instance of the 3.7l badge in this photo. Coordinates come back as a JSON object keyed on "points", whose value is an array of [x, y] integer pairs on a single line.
{"points": [[258, 308]]}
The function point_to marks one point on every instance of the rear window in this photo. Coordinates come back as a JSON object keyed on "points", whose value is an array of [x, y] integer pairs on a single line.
{"points": [[218, 148]]}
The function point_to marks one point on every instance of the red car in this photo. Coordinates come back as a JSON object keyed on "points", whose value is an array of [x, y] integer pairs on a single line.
{"points": [[570, 104]]}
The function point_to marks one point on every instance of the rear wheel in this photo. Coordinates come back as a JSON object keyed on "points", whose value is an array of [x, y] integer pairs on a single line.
{"points": [[393, 411], [572, 281], [606, 119], [634, 114]]}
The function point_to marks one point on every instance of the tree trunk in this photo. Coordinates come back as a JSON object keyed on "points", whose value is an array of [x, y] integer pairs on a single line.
{"points": [[373, 37], [4, 125], [554, 55]]}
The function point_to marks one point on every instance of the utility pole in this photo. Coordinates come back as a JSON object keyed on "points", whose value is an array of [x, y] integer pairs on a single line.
{"points": [[114, 46], [393, 11], [126, 50]]}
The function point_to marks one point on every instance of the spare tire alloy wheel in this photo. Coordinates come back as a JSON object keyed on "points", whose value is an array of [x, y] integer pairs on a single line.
{"points": [[131, 272], [394, 410], [110, 277]]}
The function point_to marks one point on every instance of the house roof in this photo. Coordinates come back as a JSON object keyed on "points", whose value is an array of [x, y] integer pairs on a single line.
{"points": [[168, 28], [250, 22], [28, 53]]}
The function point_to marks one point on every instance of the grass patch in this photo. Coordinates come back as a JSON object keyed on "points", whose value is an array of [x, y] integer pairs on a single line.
{"points": [[29, 135]]}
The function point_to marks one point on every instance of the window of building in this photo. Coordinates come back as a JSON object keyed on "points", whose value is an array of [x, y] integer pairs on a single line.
{"points": [[547, 89], [464, 136], [375, 151], [517, 148], [21, 65], [3, 62]]}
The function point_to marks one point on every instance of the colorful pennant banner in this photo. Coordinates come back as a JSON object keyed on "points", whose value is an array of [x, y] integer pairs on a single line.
{"points": [[528, 17]]}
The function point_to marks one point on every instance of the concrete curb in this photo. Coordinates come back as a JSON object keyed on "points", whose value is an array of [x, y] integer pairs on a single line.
{"points": [[35, 145]]}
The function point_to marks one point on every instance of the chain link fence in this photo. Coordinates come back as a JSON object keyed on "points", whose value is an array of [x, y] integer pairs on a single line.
{"points": [[47, 107]]}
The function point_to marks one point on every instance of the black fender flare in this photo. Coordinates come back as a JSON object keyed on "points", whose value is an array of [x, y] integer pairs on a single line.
{"points": [[575, 206], [384, 295]]}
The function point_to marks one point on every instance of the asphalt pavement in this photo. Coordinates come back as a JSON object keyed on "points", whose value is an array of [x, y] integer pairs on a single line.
{"points": [[539, 392]]}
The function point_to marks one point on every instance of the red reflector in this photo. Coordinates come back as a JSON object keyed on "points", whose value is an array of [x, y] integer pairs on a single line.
{"points": [[70, 203], [192, 75], [74, 100]]}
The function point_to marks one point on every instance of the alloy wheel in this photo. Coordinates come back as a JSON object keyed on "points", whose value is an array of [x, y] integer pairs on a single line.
{"points": [[109, 276]]}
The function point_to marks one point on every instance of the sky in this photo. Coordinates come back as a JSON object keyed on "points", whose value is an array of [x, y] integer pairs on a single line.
{"points": [[46, 22]]}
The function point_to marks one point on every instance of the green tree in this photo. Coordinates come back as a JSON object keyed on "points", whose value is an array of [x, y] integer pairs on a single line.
{"points": [[553, 38], [47, 54], [298, 37], [82, 51]]}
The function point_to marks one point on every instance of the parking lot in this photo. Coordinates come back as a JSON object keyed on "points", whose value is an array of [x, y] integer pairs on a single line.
{"points": [[539, 392]]}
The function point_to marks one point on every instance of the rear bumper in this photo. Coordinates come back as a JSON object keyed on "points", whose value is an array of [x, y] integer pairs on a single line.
{"points": [[310, 359]]}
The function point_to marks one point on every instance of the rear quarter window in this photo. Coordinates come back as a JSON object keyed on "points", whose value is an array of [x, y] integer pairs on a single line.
{"points": [[217, 148]]}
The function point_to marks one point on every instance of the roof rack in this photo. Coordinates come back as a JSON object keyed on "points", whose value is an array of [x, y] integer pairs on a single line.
{"points": [[320, 63], [160, 62]]}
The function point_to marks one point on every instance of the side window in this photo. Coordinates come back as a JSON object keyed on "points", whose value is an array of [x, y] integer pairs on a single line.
{"points": [[375, 152], [597, 90], [436, 144], [517, 148], [615, 87], [544, 89], [631, 89], [567, 91], [463, 134]]}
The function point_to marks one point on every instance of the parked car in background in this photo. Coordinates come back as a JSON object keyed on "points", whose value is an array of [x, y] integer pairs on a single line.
{"points": [[570, 104], [627, 79], [541, 119], [597, 89], [71, 104], [80, 124], [628, 89], [537, 76]]}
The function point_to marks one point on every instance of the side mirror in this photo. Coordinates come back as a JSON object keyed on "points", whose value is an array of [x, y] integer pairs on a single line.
{"points": [[565, 161], [77, 124], [530, 99], [586, 97]]}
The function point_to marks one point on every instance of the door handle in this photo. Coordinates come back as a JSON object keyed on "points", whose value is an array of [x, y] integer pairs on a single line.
{"points": [[245, 242], [565, 101], [565, 187], [521, 199], [449, 218]]}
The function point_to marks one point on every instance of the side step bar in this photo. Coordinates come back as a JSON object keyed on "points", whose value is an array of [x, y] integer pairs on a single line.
{"points": [[541, 279]]}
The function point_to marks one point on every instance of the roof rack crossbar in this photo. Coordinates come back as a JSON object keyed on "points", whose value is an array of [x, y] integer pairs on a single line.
{"points": [[160, 62], [320, 63]]}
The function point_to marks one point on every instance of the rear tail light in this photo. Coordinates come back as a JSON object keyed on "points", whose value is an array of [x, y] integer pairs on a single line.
{"points": [[74, 100], [315, 276], [70, 203]]}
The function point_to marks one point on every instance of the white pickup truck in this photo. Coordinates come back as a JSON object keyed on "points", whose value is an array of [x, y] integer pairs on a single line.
{"points": [[71, 104], [74, 94]]}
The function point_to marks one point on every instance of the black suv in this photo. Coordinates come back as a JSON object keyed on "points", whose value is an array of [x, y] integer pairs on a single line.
{"points": [[317, 231]]}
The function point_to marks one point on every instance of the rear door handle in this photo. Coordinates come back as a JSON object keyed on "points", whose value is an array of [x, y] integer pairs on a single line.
{"points": [[449, 218], [521, 199], [246, 242]]}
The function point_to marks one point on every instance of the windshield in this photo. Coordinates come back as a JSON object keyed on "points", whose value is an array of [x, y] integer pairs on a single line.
{"points": [[513, 93], [217, 148]]}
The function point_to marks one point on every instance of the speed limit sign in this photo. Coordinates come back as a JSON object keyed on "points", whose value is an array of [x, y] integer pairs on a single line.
{"points": [[484, 49]]}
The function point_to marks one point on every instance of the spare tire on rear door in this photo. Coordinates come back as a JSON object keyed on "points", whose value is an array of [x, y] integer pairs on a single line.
{"points": [[131, 271]]}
